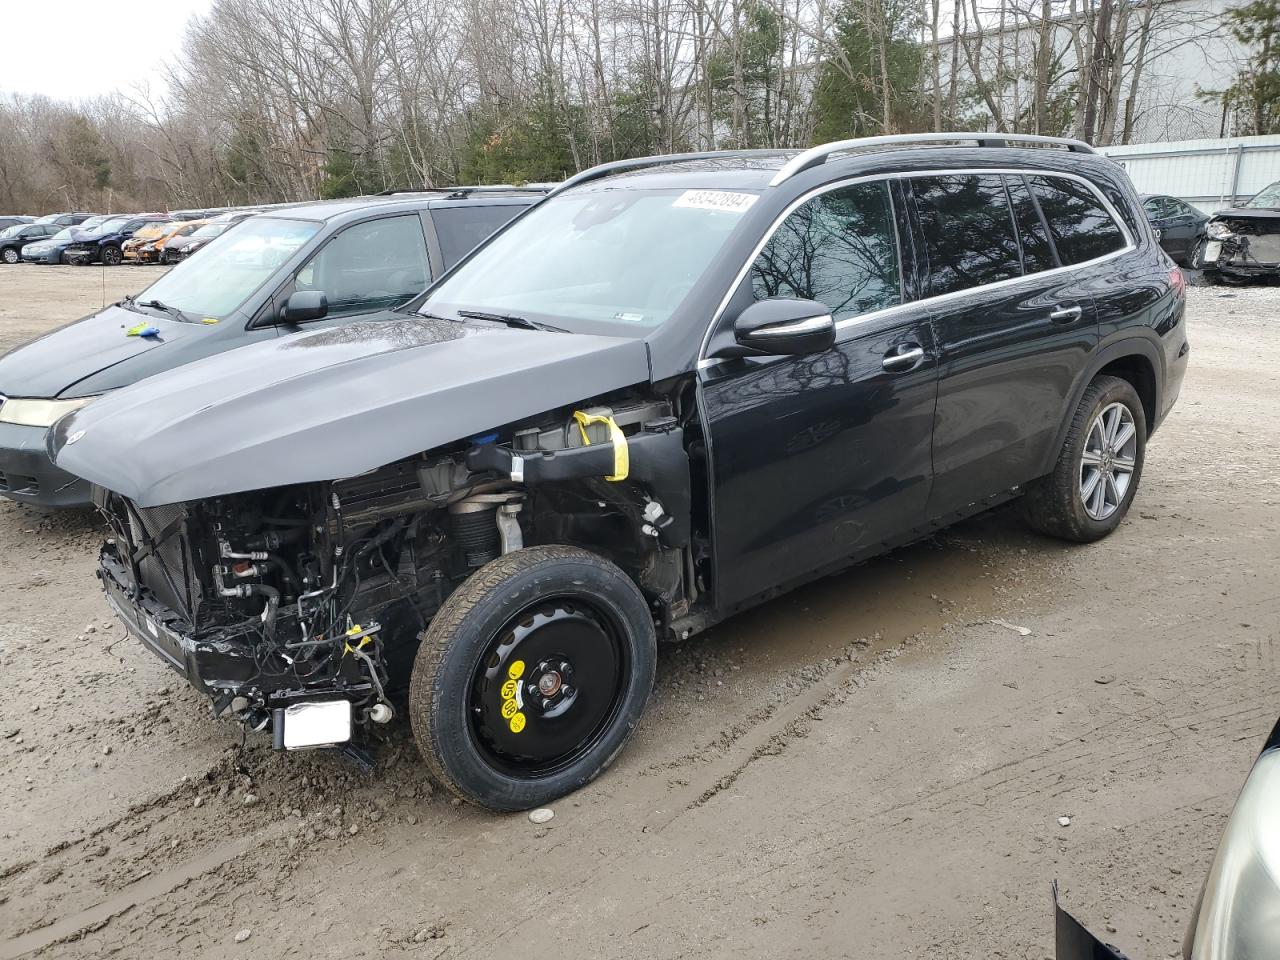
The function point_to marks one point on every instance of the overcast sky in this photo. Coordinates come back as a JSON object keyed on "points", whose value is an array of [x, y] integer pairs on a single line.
{"points": [[83, 48]]}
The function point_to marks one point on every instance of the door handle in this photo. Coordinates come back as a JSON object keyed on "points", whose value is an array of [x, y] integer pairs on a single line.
{"points": [[1065, 314], [907, 359]]}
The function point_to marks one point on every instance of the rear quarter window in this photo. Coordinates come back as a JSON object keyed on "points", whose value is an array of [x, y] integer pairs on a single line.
{"points": [[1080, 225], [462, 229]]}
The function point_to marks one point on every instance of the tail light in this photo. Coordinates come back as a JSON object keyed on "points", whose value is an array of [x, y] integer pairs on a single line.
{"points": [[1178, 281]]}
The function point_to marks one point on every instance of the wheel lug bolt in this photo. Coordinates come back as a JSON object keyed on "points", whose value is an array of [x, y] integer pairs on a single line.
{"points": [[566, 690]]}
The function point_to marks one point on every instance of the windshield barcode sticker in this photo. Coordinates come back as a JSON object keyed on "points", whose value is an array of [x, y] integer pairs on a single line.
{"points": [[725, 200]]}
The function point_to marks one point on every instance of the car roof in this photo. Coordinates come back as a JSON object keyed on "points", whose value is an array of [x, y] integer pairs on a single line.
{"points": [[744, 170], [759, 169], [451, 196]]}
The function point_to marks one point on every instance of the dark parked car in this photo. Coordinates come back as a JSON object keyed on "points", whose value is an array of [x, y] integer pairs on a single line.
{"points": [[50, 251], [1238, 914], [179, 248], [1243, 243], [103, 243], [1180, 227], [671, 390], [305, 266], [66, 219], [7, 221], [14, 238], [53, 249]]}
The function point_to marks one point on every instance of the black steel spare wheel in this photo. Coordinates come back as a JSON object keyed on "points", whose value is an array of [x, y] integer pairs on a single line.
{"points": [[532, 676]]}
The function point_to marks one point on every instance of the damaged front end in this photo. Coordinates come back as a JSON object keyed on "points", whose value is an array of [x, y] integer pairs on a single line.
{"points": [[298, 609], [1243, 245]]}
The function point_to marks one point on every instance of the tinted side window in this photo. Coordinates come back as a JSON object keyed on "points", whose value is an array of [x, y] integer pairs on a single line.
{"points": [[1081, 228], [839, 249], [461, 229], [1157, 208], [1037, 252], [370, 266], [968, 231]]}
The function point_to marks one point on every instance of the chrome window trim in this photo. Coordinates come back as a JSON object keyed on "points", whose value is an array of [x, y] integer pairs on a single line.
{"points": [[1130, 245]]}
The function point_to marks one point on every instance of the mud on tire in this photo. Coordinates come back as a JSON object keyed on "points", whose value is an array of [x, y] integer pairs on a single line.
{"points": [[1053, 504], [563, 630]]}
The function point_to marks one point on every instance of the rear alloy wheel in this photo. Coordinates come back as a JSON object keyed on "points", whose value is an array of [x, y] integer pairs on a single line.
{"points": [[111, 256], [1097, 473], [532, 676], [1195, 259], [9, 255]]}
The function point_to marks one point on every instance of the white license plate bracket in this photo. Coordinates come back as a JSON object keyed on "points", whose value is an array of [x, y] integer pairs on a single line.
{"points": [[316, 723]]}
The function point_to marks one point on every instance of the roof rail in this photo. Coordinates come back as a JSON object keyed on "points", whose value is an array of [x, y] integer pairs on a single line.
{"points": [[818, 155], [638, 163], [466, 190]]}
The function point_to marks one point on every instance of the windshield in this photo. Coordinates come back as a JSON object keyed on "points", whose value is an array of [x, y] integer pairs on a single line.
{"points": [[63, 234], [210, 230], [231, 268], [1268, 196], [11, 231], [153, 230], [618, 261], [107, 226]]}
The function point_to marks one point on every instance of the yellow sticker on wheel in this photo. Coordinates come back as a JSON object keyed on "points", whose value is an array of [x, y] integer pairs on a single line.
{"points": [[517, 722], [516, 670], [509, 689], [509, 709]]}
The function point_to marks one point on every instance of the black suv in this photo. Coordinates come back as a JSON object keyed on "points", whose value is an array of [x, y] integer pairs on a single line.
{"points": [[294, 268], [673, 389]]}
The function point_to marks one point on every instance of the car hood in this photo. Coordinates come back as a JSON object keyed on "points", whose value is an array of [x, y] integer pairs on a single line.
{"points": [[54, 364], [330, 404], [1247, 213]]}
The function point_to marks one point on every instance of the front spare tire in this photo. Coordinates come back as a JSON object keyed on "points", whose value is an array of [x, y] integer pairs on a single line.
{"points": [[532, 676]]}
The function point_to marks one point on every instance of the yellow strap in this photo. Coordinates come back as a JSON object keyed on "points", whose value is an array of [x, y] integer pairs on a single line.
{"points": [[348, 648], [621, 455]]}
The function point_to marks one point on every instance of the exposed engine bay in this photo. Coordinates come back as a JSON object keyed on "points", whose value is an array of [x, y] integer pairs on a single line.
{"points": [[1249, 245], [285, 599]]}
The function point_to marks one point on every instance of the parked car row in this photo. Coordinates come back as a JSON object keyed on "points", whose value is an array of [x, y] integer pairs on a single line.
{"points": [[79, 238]]}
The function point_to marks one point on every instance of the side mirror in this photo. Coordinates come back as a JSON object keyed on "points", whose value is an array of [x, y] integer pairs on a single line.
{"points": [[782, 327], [304, 305]]}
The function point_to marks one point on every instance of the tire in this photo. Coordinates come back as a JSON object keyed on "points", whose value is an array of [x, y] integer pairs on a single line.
{"points": [[1195, 259], [9, 255], [111, 256], [1056, 504], [555, 607]]}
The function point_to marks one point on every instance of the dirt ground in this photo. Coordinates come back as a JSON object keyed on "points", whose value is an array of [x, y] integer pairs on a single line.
{"points": [[874, 766]]}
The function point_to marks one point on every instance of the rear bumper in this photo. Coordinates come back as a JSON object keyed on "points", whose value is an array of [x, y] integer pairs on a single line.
{"points": [[29, 476]]}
